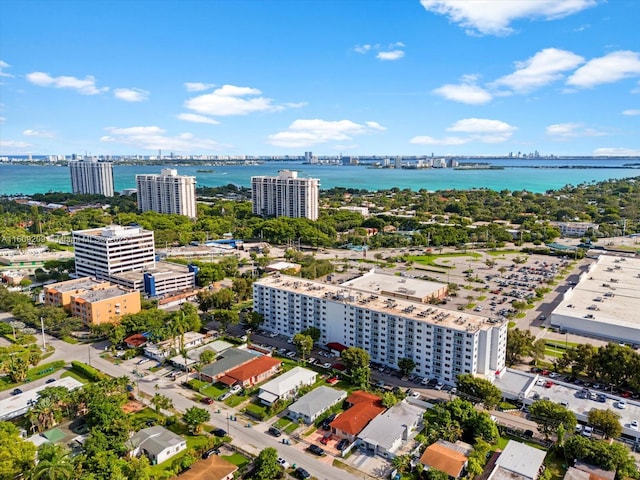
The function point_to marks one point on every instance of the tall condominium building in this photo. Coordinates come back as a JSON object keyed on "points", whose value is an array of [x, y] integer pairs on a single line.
{"points": [[285, 195], [106, 252], [442, 343], [91, 176], [167, 193]]}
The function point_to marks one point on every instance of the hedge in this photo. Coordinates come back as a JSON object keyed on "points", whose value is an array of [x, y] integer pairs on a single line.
{"points": [[87, 371]]}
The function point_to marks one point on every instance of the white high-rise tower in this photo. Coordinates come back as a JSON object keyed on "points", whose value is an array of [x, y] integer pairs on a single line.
{"points": [[167, 193], [285, 195], [92, 177]]}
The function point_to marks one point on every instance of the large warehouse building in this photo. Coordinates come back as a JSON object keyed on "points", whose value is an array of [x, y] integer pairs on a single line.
{"points": [[605, 302], [442, 343]]}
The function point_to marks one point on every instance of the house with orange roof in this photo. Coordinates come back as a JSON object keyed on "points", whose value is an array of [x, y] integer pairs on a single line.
{"points": [[252, 372], [213, 468], [363, 408], [446, 457]]}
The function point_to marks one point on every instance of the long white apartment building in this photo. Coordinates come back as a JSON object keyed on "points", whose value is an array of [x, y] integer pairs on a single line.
{"points": [[167, 192], [92, 177], [285, 195], [442, 343], [103, 253]]}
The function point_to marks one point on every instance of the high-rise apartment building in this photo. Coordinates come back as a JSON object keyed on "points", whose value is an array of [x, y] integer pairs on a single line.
{"points": [[92, 177], [103, 253], [285, 195], [442, 343], [167, 192]]}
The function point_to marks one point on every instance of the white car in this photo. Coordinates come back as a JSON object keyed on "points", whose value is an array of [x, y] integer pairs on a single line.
{"points": [[439, 386], [415, 394], [283, 463], [311, 360], [424, 381], [622, 404], [540, 382], [326, 365], [235, 389], [634, 425], [291, 354], [587, 431]]}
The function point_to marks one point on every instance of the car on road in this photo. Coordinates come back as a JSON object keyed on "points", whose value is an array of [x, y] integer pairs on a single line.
{"points": [[634, 425], [301, 473], [548, 384], [316, 450], [283, 463], [51, 380], [342, 444], [16, 391], [218, 432], [274, 431], [207, 401], [622, 404]]}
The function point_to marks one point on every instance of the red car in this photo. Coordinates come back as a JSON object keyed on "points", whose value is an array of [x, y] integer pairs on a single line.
{"points": [[545, 372], [324, 440], [549, 384], [207, 401], [626, 394]]}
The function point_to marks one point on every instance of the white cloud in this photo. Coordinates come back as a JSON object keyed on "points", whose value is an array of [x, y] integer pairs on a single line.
{"points": [[154, 138], [195, 118], [13, 146], [493, 17], [616, 152], [86, 86], [131, 94], [295, 104], [362, 48], [4, 65], [305, 133], [544, 67], [392, 55], [631, 112], [426, 140], [232, 100], [464, 93], [37, 133], [564, 131], [608, 69], [198, 86]]}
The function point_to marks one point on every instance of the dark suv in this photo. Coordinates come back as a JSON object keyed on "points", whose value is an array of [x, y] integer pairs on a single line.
{"points": [[301, 473], [316, 450], [327, 421], [274, 431]]}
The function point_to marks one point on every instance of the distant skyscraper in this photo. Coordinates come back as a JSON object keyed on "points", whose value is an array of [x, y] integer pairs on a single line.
{"points": [[167, 193], [92, 177], [285, 195]]}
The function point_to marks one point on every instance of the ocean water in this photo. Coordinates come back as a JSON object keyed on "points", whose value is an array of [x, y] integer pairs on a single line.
{"points": [[530, 175]]}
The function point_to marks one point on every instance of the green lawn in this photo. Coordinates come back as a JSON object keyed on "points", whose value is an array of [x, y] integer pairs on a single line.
{"points": [[34, 373], [213, 391], [75, 375], [237, 459], [282, 423], [235, 400], [432, 260]]}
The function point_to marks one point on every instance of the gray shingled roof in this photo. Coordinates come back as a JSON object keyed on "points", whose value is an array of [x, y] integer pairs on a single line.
{"points": [[156, 439], [317, 400]]}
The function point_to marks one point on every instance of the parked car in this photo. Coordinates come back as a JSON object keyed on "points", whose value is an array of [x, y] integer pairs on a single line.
{"points": [[587, 431], [224, 396], [301, 473], [209, 453], [274, 431], [16, 391], [439, 386], [291, 354], [325, 439], [51, 380], [218, 432], [283, 463], [207, 401], [316, 450], [634, 425], [327, 421], [326, 365], [342, 444], [235, 389], [622, 404]]}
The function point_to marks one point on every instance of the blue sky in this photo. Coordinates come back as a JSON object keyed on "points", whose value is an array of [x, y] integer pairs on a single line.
{"points": [[357, 77]]}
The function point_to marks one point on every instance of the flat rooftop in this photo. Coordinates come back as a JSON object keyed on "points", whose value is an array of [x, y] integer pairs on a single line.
{"points": [[113, 231], [84, 283], [16, 405], [162, 270], [359, 298], [608, 292], [105, 294], [386, 284]]}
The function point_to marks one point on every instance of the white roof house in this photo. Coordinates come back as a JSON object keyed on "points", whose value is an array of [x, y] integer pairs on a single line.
{"points": [[518, 461], [386, 432], [157, 443], [315, 403], [286, 385]]}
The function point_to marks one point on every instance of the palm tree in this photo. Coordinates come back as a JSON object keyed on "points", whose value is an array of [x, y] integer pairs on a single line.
{"points": [[42, 414], [57, 466], [401, 463], [161, 402]]}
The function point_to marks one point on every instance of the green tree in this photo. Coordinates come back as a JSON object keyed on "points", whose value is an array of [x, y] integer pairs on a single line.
{"points": [[161, 402], [605, 420], [303, 343], [389, 399], [406, 366], [313, 332], [253, 320], [435, 474], [356, 361], [479, 389], [207, 356], [549, 415], [226, 318], [401, 463], [537, 350], [17, 455], [519, 344], [266, 466], [194, 417], [54, 463]]}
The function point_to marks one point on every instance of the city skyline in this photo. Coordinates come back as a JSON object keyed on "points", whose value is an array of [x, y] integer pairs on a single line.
{"points": [[357, 78]]}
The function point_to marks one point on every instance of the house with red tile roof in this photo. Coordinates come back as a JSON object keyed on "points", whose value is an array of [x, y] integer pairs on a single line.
{"points": [[364, 407], [446, 457], [252, 372]]}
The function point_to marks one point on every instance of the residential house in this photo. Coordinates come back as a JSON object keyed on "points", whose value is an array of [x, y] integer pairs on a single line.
{"points": [[363, 407], [213, 468], [168, 348], [157, 443], [315, 403], [518, 461], [386, 433], [447, 457], [136, 340], [254, 371], [286, 385], [228, 360], [584, 471]]}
